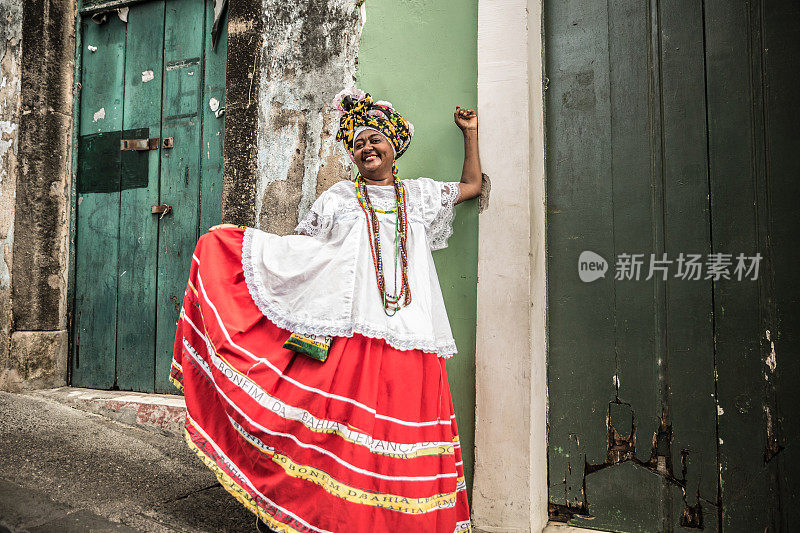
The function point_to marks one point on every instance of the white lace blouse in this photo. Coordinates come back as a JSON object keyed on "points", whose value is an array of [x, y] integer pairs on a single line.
{"points": [[323, 281]]}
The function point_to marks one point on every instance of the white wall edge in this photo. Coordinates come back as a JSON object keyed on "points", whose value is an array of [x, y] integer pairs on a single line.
{"points": [[538, 280], [510, 485]]}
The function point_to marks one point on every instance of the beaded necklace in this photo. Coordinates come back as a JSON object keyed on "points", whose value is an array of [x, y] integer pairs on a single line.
{"points": [[391, 302]]}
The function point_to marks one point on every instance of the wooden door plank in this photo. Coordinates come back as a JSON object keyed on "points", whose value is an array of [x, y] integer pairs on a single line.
{"points": [[622, 492], [581, 359], [138, 227], [688, 368], [180, 169], [97, 217], [779, 202], [213, 125], [626, 495], [752, 119], [735, 162], [637, 195]]}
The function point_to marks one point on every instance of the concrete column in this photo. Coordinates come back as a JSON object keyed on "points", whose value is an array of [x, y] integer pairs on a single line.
{"points": [[286, 61], [38, 346], [510, 488], [41, 214], [239, 163]]}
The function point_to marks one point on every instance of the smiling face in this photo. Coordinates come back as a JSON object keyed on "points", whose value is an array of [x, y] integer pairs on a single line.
{"points": [[373, 155]]}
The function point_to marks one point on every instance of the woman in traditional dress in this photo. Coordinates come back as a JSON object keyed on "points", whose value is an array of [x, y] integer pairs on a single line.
{"points": [[313, 365]]}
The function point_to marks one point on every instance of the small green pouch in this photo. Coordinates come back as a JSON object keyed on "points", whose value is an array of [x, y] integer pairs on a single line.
{"points": [[314, 346]]}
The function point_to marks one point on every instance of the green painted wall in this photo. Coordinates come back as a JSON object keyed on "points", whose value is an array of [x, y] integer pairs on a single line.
{"points": [[422, 57]]}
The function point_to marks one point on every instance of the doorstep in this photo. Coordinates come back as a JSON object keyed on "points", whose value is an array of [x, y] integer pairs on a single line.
{"points": [[560, 527], [160, 413]]}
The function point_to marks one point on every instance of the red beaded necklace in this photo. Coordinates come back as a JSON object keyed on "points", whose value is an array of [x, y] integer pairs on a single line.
{"points": [[391, 302]]}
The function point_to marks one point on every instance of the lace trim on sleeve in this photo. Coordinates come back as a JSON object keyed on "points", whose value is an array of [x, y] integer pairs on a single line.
{"points": [[441, 228], [314, 225], [319, 220]]}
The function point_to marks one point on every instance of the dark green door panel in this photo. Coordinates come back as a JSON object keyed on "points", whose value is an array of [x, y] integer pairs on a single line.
{"points": [[753, 147], [136, 270], [213, 125], [97, 224], [779, 229], [151, 77], [669, 130], [180, 170]]}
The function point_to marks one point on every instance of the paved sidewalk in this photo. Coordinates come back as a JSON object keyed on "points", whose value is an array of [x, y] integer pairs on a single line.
{"points": [[67, 470]]}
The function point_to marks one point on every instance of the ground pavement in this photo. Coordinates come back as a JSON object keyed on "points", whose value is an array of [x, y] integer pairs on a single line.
{"points": [[66, 470], [117, 463]]}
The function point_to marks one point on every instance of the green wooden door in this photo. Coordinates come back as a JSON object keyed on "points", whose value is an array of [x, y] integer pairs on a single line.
{"points": [[671, 130], [151, 73]]}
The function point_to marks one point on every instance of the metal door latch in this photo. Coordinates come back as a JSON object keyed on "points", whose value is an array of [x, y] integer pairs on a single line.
{"points": [[162, 210], [168, 142], [139, 144]]}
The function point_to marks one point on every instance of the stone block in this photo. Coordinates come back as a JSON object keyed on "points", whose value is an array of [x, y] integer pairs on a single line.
{"points": [[37, 360]]}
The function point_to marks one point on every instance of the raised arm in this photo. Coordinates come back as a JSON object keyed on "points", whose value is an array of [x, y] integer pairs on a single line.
{"points": [[470, 185]]}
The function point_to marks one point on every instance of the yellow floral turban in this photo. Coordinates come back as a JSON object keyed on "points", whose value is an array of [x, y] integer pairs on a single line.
{"points": [[358, 112]]}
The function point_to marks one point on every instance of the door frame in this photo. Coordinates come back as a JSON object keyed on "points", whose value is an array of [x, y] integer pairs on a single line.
{"points": [[84, 11]]}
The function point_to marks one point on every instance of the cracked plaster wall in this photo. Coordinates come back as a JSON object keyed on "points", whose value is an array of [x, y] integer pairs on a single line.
{"points": [[309, 54], [10, 54]]}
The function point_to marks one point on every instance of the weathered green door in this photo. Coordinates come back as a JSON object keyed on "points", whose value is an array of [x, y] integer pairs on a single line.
{"points": [[150, 81], [672, 129]]}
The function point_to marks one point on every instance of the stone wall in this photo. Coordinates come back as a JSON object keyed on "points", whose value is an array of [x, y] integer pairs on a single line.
{"points": [[308, 55], [286, 62], [39, 35], [10, 54]]}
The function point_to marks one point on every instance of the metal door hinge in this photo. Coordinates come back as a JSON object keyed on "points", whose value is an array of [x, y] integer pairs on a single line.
{"points": [[162, 210], [139, 144]]}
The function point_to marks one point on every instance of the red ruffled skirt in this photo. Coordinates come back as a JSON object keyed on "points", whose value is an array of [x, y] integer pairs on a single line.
{"points": [[364, 442]]}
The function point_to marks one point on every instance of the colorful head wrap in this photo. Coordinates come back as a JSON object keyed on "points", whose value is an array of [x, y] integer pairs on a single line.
{"points": [[357, 112]]}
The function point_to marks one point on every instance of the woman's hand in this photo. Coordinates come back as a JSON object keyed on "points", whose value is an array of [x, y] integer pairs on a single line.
{"points": [[466, 119], [222, 226], [470, 185]]}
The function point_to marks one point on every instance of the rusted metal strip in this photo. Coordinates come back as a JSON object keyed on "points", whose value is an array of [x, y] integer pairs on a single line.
{"points": [[162, 210], [98, 7], [139, 144]]}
